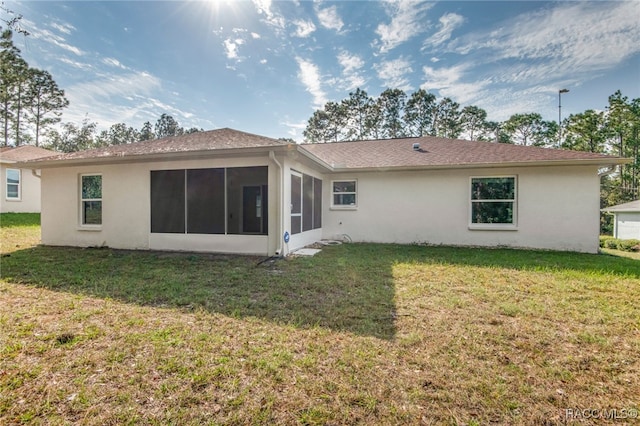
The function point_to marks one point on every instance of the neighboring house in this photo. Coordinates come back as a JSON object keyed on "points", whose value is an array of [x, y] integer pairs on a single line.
{"points": [[234, 192], [20, 188], [626, 220]]}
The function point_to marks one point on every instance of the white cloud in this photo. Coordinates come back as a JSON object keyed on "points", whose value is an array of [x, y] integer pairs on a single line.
{"points": [[80, 65], [351, 75], [394, 73], [272, 18], [448, 82], [111, 92], [231, 48], [448, 23], [63, 27], [568, 39], [309, 75], [350, 63], [329, 18], [407, 20], [255, 36], [113, 62], [303, 28]]}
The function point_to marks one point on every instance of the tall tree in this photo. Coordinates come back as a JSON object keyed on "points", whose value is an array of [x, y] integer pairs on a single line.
{"points": [[357, 108], [72, 138], [12, 71], [317, 127], [530, 129], [418, 113], [147, 133], [447, 119], [392, 103], [336, 120], [473, 121], [167, 126], [585, 131], [118, 134], [46, 101]]}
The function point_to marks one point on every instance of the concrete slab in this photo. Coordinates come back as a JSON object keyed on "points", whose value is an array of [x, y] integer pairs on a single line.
{"points": [[306, 252]]}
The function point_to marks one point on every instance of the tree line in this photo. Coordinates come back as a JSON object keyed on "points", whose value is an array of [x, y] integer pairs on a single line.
{"points": [[71, 137], [395, 114], [30, 98]]}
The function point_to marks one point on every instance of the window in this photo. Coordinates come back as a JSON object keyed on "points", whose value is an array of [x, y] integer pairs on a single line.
{"points": [[493, 201], [344, 193], [306, 203], [13, 184], [91, 199]]}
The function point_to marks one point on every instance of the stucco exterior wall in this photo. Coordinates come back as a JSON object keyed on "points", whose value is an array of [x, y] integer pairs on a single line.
{"points": [[627, 225], [557, 208], [29, 201], [126, 209]]}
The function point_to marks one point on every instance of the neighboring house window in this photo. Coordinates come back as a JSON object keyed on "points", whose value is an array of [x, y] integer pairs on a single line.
{"points": [[344, 193], [493, 201], [91, 199], [13, 184]]}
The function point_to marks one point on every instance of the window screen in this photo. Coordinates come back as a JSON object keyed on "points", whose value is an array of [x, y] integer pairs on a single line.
{"points": [[205, 201], [317, 203], [168, 201], [296, 204], [307, 202]]}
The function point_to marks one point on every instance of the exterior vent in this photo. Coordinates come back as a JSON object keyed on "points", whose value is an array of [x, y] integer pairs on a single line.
{"points": [[416, 147]]}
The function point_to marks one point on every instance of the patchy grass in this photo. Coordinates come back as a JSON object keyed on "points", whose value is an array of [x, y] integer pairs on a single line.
{"points": [[628, 254], [359, 334], [19, 230]]}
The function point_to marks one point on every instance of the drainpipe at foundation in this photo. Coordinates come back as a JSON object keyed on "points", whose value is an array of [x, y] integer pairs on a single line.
{"points": [[279, 234]]}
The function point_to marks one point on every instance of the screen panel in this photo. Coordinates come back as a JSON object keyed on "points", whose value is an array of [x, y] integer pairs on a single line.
{"points": [[205, 201], [168, 201]]}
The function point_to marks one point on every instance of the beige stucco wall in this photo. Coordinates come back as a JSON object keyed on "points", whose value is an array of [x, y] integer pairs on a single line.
{"points": [[29, 201], [557, 208], [126, 209]]}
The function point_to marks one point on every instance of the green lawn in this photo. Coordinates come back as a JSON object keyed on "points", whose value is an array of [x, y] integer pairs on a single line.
{"points": [[358, 334]]}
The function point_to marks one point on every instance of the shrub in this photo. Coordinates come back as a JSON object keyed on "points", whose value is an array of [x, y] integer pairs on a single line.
{"points": [[618, 244], [604, 240], [628, 245]]}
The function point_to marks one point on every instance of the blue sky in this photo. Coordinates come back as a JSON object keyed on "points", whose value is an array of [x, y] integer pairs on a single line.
{"points": [[264, 66]]}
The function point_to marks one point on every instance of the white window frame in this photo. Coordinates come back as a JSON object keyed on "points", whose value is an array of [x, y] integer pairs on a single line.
{"points": [[513, 226], [19, 185], [81, 218], [333, 194]]}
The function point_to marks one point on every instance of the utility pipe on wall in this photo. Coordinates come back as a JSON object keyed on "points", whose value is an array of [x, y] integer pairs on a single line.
{"points": [[280, 232]]}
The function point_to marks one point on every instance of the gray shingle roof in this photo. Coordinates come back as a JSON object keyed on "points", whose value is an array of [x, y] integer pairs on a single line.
{"points": [[633, 206], [211, 140], [23, 153], [439, 152], [346, 156]]}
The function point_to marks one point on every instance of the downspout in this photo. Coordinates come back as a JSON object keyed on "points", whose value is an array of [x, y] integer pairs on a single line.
{"points": [[280, 250], [34, 172]]}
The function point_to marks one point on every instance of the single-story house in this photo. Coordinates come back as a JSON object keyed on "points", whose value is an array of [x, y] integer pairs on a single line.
{"points": [[20, 189], [234, 192], [626, 220]]}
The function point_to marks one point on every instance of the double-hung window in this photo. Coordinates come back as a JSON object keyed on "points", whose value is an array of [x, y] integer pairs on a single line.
{"points": [[493, 202], [13, 184], [344, 193], [91, 200]]}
